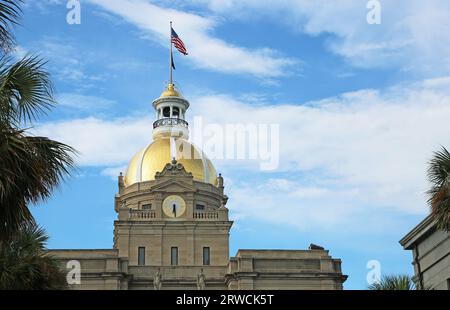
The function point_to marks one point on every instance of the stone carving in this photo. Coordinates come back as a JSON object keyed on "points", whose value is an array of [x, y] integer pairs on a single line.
{"points": [[201, 280], [157, 281], [173, 168]]}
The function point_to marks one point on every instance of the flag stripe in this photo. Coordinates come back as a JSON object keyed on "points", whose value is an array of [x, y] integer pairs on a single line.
{"points": [[177, 40], [179, 46], [181, 50], [178, 43]]}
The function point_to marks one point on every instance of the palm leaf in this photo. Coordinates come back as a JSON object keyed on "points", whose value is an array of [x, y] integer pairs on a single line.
{"points": [[393, 282], [25, 264], [26, 90], [439, 192], [32, 169], [10, 13]]}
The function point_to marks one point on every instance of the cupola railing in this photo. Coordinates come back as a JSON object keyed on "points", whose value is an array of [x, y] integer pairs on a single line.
{"points": [[170, 121]]}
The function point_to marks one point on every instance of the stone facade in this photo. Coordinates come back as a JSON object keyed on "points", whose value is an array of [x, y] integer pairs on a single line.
{"points": [[149, 232], [284, 269], [431, 255]]}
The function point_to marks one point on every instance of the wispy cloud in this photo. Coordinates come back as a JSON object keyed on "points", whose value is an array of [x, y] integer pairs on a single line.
{"points": [[413, 34], [84, 102], [101, 142], [365, 148], [113, 172], [206, 51], [66, 62]]}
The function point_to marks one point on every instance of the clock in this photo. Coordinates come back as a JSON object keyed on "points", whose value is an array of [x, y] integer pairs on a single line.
{"points": [[174, 206]]}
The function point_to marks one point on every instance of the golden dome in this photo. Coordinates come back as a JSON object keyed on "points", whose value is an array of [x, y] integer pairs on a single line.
{"points": [[151, 159], [170, 92]]}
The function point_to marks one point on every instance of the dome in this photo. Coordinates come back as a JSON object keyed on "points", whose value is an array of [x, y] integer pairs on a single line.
{"points": [[151, 159], [170, 92]]}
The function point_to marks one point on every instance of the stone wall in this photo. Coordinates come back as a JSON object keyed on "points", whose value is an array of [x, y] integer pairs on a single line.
{"points": [[100, 269], [284, 269], [431, 255]]}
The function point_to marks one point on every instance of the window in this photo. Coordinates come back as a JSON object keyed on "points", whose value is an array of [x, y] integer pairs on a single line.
{"points": [[166, 112], [200, 207], [175, 112], [206, 256], [147, 206], [174, 256], [141, 256]]}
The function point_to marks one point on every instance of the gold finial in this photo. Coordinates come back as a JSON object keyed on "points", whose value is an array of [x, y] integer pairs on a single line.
{"points": [[170, 91]]}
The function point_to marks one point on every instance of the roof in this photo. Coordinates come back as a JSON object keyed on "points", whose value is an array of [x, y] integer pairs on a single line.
{"points": [[418, 233]]}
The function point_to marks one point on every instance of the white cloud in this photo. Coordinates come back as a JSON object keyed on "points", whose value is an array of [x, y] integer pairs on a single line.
{"points": [[375, 144], [43, 5], [84, 102], [205, 50], [340, 157], [101, 142], [113, 172], [68, 62], [413, 33]]}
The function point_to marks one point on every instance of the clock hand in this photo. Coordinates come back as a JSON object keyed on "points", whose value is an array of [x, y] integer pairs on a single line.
{"points": [[174, 210]]}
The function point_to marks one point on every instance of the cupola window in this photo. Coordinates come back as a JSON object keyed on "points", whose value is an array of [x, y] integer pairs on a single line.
{"points": [[175, 112], [166, 112]]}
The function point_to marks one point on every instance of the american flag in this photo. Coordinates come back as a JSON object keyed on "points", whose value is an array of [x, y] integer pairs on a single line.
{"points": [[178, 43]]}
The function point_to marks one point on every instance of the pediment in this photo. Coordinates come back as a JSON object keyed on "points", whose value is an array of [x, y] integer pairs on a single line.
{"points": [[174, 185], [173, 169]]}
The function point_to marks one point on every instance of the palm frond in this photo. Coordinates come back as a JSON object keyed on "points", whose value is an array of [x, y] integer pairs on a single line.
{"points": [[439, 192], [393, 282], [25, 265], [32, 168], [10, 13], [26, 90]]}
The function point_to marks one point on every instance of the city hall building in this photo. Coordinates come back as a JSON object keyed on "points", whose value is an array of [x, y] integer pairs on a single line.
{"points": [[172, 228]]}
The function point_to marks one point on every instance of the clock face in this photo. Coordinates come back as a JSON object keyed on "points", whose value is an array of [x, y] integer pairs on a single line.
{"points": [[174, 206]]}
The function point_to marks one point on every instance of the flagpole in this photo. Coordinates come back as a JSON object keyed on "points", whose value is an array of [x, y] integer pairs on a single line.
{"points": [[171, 57]]}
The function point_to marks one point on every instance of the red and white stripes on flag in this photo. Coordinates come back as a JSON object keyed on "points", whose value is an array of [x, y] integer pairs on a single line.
{"points": [[178, 43]]}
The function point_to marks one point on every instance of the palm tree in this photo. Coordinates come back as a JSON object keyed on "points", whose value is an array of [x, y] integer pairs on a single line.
{"points": [[10, 12], [25, 265], [393, 283], [30, 167], [439, 193]]}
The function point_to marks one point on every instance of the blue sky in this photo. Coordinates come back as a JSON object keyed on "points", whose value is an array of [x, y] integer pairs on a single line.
{"points": [[361, 108]]}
